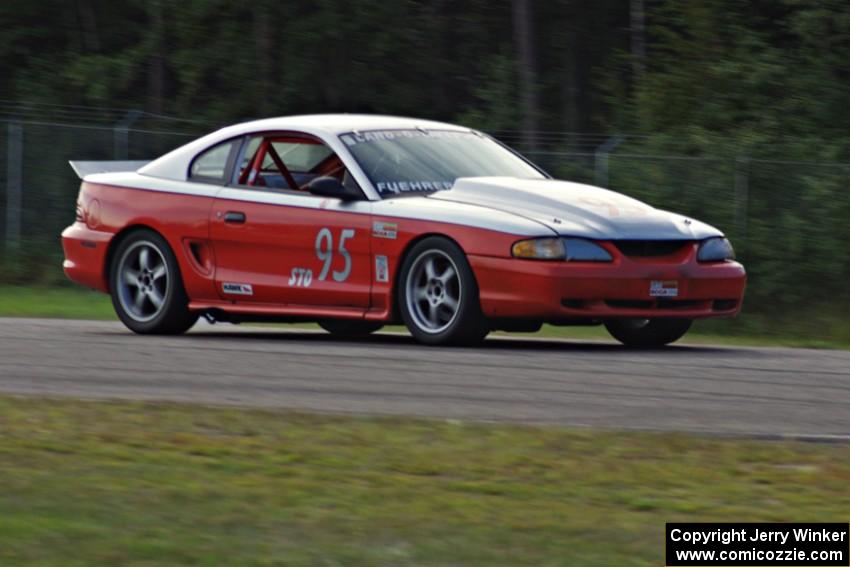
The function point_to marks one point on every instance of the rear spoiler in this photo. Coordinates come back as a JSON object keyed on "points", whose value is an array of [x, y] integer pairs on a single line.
{"points": [[83, 168]]}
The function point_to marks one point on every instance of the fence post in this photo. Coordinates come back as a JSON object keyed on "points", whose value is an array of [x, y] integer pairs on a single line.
{"points": [[601, 159], [742, 198], [14, 181], [120, 134]]}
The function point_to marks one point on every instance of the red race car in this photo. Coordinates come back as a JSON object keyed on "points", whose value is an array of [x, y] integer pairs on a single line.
{"points": [[361, 221]]}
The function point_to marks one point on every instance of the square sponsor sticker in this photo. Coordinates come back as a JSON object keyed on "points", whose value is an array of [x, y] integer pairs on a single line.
{"points": [[663, 288], [382, 229], [382, 269]]}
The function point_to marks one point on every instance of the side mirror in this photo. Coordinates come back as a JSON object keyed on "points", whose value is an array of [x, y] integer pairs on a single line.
{"points": [[332, 187]]}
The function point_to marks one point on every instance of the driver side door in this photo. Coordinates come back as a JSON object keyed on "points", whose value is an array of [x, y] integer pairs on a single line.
{"points": [[275, 243]]}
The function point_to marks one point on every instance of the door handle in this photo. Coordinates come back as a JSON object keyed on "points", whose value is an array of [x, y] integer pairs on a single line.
{"points": [[234, 217]]}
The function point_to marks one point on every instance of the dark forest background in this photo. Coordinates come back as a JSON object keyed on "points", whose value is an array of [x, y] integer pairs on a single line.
{"points": [[734, 111]]}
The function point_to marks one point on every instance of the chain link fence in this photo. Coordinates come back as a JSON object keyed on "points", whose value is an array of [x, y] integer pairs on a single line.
{"points": [[38, 188], [789, 220]]}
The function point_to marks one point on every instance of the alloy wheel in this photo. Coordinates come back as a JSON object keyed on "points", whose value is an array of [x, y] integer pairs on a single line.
{"points": [[142, 281], [433, 289]]}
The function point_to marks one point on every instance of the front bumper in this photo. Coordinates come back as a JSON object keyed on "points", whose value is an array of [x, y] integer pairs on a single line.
{"points": [[85, 255], [562, 291]]}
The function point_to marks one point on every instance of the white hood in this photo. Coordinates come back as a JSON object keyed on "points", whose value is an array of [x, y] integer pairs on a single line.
{"points": [[573, 209]]}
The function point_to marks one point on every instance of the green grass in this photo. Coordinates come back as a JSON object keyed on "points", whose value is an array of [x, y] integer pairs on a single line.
{"points": [[55, 302], [820, 332], [95, 483]]}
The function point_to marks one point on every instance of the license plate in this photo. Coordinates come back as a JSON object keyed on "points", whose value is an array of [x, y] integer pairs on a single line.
{"points": [[663, 288]]}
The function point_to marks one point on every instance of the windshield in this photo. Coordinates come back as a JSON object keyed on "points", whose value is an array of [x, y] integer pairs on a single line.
{"points": [[415, 161]]}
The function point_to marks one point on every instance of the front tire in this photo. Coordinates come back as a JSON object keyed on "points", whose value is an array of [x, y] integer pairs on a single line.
{"points": [[438, 295], [146, 287], [648, 332]]}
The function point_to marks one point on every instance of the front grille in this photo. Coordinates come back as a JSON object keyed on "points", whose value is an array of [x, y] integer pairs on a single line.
{"points": [[679, 303], [630, 303], [651, 304], [650, 248]]}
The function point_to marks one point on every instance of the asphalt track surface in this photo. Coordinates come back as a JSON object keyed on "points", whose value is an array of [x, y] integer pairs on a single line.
{"points": [[721, 390]]}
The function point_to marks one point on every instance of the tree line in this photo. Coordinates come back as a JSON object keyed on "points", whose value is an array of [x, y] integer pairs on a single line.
{"points": [[762, 85]]}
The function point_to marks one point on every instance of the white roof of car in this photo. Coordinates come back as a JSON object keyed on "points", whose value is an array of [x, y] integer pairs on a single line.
{"points": [[175, 164], [341, 123]]}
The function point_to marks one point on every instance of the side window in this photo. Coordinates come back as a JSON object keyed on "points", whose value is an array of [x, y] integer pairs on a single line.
{"points": [[249, 152], [287, 161], [298, 156], [211, 165]]}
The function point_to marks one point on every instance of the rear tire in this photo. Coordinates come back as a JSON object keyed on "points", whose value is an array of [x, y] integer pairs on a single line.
{"points": [[350, 327], [146, 287], [648, 332], [438, 295]]}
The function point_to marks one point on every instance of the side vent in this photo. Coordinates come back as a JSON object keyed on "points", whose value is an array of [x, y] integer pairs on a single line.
{"points": [[200, 255]]}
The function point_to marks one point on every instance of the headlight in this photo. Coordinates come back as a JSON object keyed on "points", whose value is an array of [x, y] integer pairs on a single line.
{"points": [[571, 249], [539, 249], [715, 249], [581, 250]]}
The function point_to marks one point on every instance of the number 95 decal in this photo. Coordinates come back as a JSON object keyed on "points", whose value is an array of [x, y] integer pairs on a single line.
{"points": [[303, 277], [325, 253]]}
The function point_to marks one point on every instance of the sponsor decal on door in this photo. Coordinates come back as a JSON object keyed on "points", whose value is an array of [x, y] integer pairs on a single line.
{"points": [[237, 288], [382, 229]]}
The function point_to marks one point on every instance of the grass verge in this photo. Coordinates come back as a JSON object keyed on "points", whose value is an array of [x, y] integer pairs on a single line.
{"points": [[824, 332], [55, 302], [96, 483]]}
